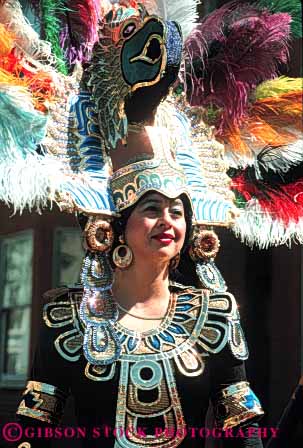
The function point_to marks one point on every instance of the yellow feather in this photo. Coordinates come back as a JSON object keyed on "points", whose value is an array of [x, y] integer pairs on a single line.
{"points": [[277, 87], [7, 40]]}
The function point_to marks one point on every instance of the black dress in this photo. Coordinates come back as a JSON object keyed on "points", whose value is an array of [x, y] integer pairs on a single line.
{"points": [[161, 390]]}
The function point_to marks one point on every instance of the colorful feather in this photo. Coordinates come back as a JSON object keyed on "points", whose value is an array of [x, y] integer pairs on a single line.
{"points": [[276, 87], [231, 52], [279, 159], [51, 10], [29, 181], [80, 31], [292, 7], [184, 12], [7, 39], [278, 205], [27, 40], [256, 227], [275, 121]]}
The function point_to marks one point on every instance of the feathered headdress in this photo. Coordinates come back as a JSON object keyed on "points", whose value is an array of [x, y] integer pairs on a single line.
{"points": [[66, 102]]}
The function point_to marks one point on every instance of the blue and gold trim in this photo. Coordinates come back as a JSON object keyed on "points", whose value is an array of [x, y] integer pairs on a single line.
{"points": [[42, 402], [131, 409], [223, 327], [196, 325], [162, 174], [236, 404]]}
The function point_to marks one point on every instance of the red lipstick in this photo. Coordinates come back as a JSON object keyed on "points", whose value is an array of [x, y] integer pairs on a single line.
{"points": [[164, 238]]}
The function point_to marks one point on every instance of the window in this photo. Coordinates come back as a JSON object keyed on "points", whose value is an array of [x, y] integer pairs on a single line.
{"points": [[68, 256], [15, 304]]}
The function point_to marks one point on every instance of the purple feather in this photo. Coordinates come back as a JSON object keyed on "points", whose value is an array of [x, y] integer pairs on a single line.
{"points": [[80, 29], [229, 53]]}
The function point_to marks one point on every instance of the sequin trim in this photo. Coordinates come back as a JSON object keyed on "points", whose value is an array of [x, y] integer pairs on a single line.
{"points": [[43, 402], [236, 404]]}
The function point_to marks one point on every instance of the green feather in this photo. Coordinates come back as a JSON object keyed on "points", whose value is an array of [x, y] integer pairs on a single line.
{"points": [[292, 7], [50, 11], [239, 200]]}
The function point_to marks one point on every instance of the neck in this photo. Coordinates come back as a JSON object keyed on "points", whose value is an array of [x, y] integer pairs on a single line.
{"points": [[142, 286]]}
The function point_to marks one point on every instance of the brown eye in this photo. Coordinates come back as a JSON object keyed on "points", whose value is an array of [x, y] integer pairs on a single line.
{"points": [[129, 30]]}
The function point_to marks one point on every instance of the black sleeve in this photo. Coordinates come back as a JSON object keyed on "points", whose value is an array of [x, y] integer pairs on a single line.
{"points": [[42, 403]]}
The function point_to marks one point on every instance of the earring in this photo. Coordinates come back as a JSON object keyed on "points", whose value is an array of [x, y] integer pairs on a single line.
{"points": [[174, 262], [98, 234], [205, 245], [122, 255], [203, 250]]}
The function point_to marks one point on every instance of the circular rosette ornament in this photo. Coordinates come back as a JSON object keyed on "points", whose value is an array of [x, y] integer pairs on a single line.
{"points": [[98, 234], [205, 245]]}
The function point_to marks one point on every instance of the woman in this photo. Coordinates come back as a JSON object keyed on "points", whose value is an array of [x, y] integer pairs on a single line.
{"points": [[141, 354], [157, 393]]}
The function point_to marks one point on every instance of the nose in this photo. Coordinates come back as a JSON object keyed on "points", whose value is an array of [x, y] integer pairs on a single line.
{"points": [[165, 218]]}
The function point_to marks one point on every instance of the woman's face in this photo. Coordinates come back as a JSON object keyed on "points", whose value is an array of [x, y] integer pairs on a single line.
{"points": [[156, 228]]}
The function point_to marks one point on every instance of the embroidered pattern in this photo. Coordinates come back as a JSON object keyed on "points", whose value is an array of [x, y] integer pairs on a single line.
{"points": [[42, 402], [195, 326], [235, 404]]}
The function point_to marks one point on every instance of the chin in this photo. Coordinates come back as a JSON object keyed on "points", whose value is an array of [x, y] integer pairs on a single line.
{"points": [[165, 254]]}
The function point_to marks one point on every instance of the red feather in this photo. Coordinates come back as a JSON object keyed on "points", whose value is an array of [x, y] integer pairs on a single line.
{"points": [[284, 203]]}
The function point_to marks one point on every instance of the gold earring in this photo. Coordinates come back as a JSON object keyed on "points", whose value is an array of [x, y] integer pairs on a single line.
{"points": [[99, 235], [205, 245], [174, 262], [122, 255]]}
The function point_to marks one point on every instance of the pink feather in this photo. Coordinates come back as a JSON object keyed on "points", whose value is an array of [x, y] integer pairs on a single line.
{"points": [[81, 28], [232, 51]]}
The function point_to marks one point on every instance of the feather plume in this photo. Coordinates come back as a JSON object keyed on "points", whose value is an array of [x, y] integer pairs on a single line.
{"points": [[27, 39], [185, 12], [278, 86], [40, 84], [81, 29], [283, 202], [279, 160], [26, 178], [51, 10], [274, 122], [21, 126], [29, 181], [292, 7], [256, 227], [7, 39], [231, 52]]}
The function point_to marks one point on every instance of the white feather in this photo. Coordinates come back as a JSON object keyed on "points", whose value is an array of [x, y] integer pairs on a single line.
{"points": [[30, 181], [280, 159], [256, 227], [27, 39], [182, 11]]}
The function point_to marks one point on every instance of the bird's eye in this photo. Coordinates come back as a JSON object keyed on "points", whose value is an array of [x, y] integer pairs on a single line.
{"points": [[129, 30]]}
